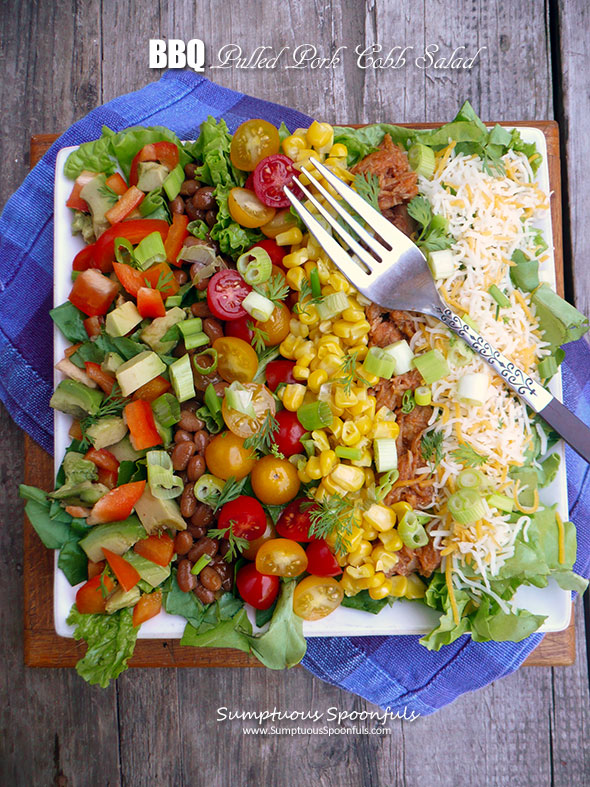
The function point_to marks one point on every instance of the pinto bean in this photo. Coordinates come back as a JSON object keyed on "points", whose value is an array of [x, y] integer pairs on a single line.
{"points": [[180, 276], [190, 169], [204, 198], [210, 218], [202, 517], [212, 327], [182, 436], [189, 187], [189, 421], [183, 542], [176, 205], [203, 594], [188, 501], [204, 546], [200, 309], [195, 468], [193, 213], [210, 578], [201, 440], [181, 453], [186, 580]]}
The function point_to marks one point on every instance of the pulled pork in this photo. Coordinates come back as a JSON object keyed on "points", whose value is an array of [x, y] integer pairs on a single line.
{"points": [[397, 181], [423, 560]]}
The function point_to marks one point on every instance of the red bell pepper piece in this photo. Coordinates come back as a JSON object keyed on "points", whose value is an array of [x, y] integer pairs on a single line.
{"points": [[150, 303], [93, 293], [176, 235], [150, 391], [69, 351], [134, 231], [142, 426], [159, 276], [89, 599], [117, 184], [93, 325], [75, 201], [159, 549], [164, 152], [131, 279], [127, 203], [104, 380], [95, 569], [103, 458], [127, 576], [84, 259], [116, 504], [107, 477], [147, 607]]}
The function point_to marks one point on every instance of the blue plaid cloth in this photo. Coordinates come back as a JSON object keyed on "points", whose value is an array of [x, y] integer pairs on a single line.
{"points": [[394, 672]]}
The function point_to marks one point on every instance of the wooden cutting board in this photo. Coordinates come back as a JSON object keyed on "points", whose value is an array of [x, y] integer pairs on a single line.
{"points": [[44, 648]]}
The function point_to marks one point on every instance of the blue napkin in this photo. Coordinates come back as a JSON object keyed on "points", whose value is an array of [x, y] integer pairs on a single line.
{"points": [[394, 672]]}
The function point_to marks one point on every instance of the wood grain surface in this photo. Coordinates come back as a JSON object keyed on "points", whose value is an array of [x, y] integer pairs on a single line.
{"points": [[158, 726]]}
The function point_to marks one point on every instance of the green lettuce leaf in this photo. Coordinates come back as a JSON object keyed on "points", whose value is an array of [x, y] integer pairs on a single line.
{"points": [[70, 322], [111, 641], [94, 156], [559, 320], [127, 143], [491, 623], [364, 601], [51, 522], [223, 624], [232, 238], [212, 149]]}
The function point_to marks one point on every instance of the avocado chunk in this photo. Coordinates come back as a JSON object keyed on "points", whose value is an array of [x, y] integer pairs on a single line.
{"points": [[156, 514], [111, 362], [79, 488], [82, 224], [116, 536], [121, 599], [97, 197], [123, 451], [150, 572], [151, 175], [122, 319], [75, 398], [138, 371], [107, 431], [153, 333]]}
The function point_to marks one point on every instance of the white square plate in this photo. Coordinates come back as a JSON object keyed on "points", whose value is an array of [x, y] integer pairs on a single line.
{"points": [[405, 617]]}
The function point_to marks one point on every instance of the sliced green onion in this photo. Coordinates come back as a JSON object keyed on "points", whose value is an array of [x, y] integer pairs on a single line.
{"points": [[547, 367], [173, 182], [150, 250], [501, 502], [198, 253], [470, 322], [211, 353], [203, 561], [166, 409], [379, 362], [255, 265], [346, 452], [411, 531], [314, 280], [315, 415], [441, 263], [124, 258], [238, 397], [421, 159], [212, 400], [501, 299], [207, 488], [190, 326], [470, 479], [473, 388], [386, 483], [196, 340], [423, 396], [161, 479], [466, 506], [152, 201], [432, 366], [181, 377], [309, 446], [402, 355], [258, 306], [460, 354], [332, 305], [385, 454], [173, 300]]}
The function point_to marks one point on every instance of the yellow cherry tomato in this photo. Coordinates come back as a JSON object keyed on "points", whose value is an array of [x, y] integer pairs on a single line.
{"points": [[253, 546], [281, 557], [252, 141], [245, 208], [282, 221], [276, 327], [226, 456], [274, 481], [236, 359], [315, 597], [243, 425]]}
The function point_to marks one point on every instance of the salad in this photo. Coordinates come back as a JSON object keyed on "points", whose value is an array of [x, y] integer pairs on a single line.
{"points": [[253, 443]]}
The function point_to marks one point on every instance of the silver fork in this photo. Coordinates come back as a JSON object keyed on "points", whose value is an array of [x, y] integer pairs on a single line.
{"points": [[394, 274]]}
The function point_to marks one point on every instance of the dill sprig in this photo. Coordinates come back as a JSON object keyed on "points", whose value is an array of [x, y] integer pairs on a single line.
{"points": [[306, 292], [332, 517], [349, 372], [230, 491], [275, 289], [107, 193], [432, 449], [468, 456], [113, 404], [263, 440], [259, 338], [236, 543]]}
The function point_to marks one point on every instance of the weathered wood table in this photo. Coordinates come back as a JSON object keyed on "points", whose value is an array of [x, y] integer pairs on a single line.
{"points": [[159, 727]]}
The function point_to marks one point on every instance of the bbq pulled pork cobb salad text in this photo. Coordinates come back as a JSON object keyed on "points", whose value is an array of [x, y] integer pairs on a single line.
{"points": [[250, 430]]}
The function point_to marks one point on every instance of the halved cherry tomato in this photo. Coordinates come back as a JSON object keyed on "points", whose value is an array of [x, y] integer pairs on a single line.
{"points": [[104, 380], [108, 477], [272, 248], [117, 184], [252, 141], [134, 230], [245, 208], [95, 569], [282, 221], [276, 327], [147, 607], [321, 560], [142, 426], [236, 360], [258, 590], [150, 303], [294, 521], [315, 597], [102, 458], [93, 325], [281, 557], [226, 456], [246, 517], [152, 390], [164, 152], [127, 576], [253, 546], [288, 437], [75, 201], [270, 176], [92, 292], [274, 481], [89, 598], [125, 205], [243, 425], [225, 292], [239, 328], [84, 259], [117, 504], [175, 238], [278, 372], [249, 184], [157, 548]]}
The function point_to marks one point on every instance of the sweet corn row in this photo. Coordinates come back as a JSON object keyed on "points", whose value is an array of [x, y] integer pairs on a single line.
{"points": [[328, 357]]}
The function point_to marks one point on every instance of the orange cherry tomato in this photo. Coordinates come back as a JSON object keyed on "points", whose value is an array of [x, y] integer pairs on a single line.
{"points": [[252, 141], [274, 481], [245, 208], [240, 423], [281, 557], [277, 326], [253, 546], [315, 597], [282, 221], [226, 456], [236, 360]]}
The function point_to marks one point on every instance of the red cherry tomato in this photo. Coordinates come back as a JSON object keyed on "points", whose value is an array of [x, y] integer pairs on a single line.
{"points": [[270, 176], [245, 516], [259, 590], [225, 293], [239, 329], [288, 438], [294, 522], [249, 184], [320, 560], [278, 372], [272, 248]]}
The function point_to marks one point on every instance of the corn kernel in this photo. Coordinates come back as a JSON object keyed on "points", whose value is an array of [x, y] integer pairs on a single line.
{"points": [[415, 587], [331, 487], [365, 461], [320, 135], [334, 163], [359, 555], [316, 379], [300, 132], [353, 539], [350, 434], [295, 258], [391, 540], [381, 591], [369, 476], [289, 237], [302, 347], [364, 424], [298, 328], [308, 314], [300, 372], [338, 150], [398, 586], [293, 395], [342, 329], [348, 477], [303, 476], [328, 461], [313, 469], [292, 146], [353, 315], [385, 429], [338, 282], [401, 508], [380, 517], [361, 351], [344, 399], [348, 586], [331, 364], [360, 572], [370, 532], [383, 560], [288, 345], [376, 580]]}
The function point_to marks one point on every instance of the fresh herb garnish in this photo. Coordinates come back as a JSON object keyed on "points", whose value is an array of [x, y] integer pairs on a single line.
{"points": [[260, 337], [263, 439], [236, 544], [104, 590], [164, 280], [275, 289], [367, 185], [107, 193], [230, 491], [332, 517], [348, 367], [306, 292], [432, 449], [408, 401], [113, 404], [468, 456], [432, 236]]}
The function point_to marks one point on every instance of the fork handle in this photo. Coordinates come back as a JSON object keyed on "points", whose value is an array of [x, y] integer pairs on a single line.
{"points": [[565, 423]]}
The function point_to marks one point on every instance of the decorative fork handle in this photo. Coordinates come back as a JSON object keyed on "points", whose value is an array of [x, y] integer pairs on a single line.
{"points": [[569, 426]]}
